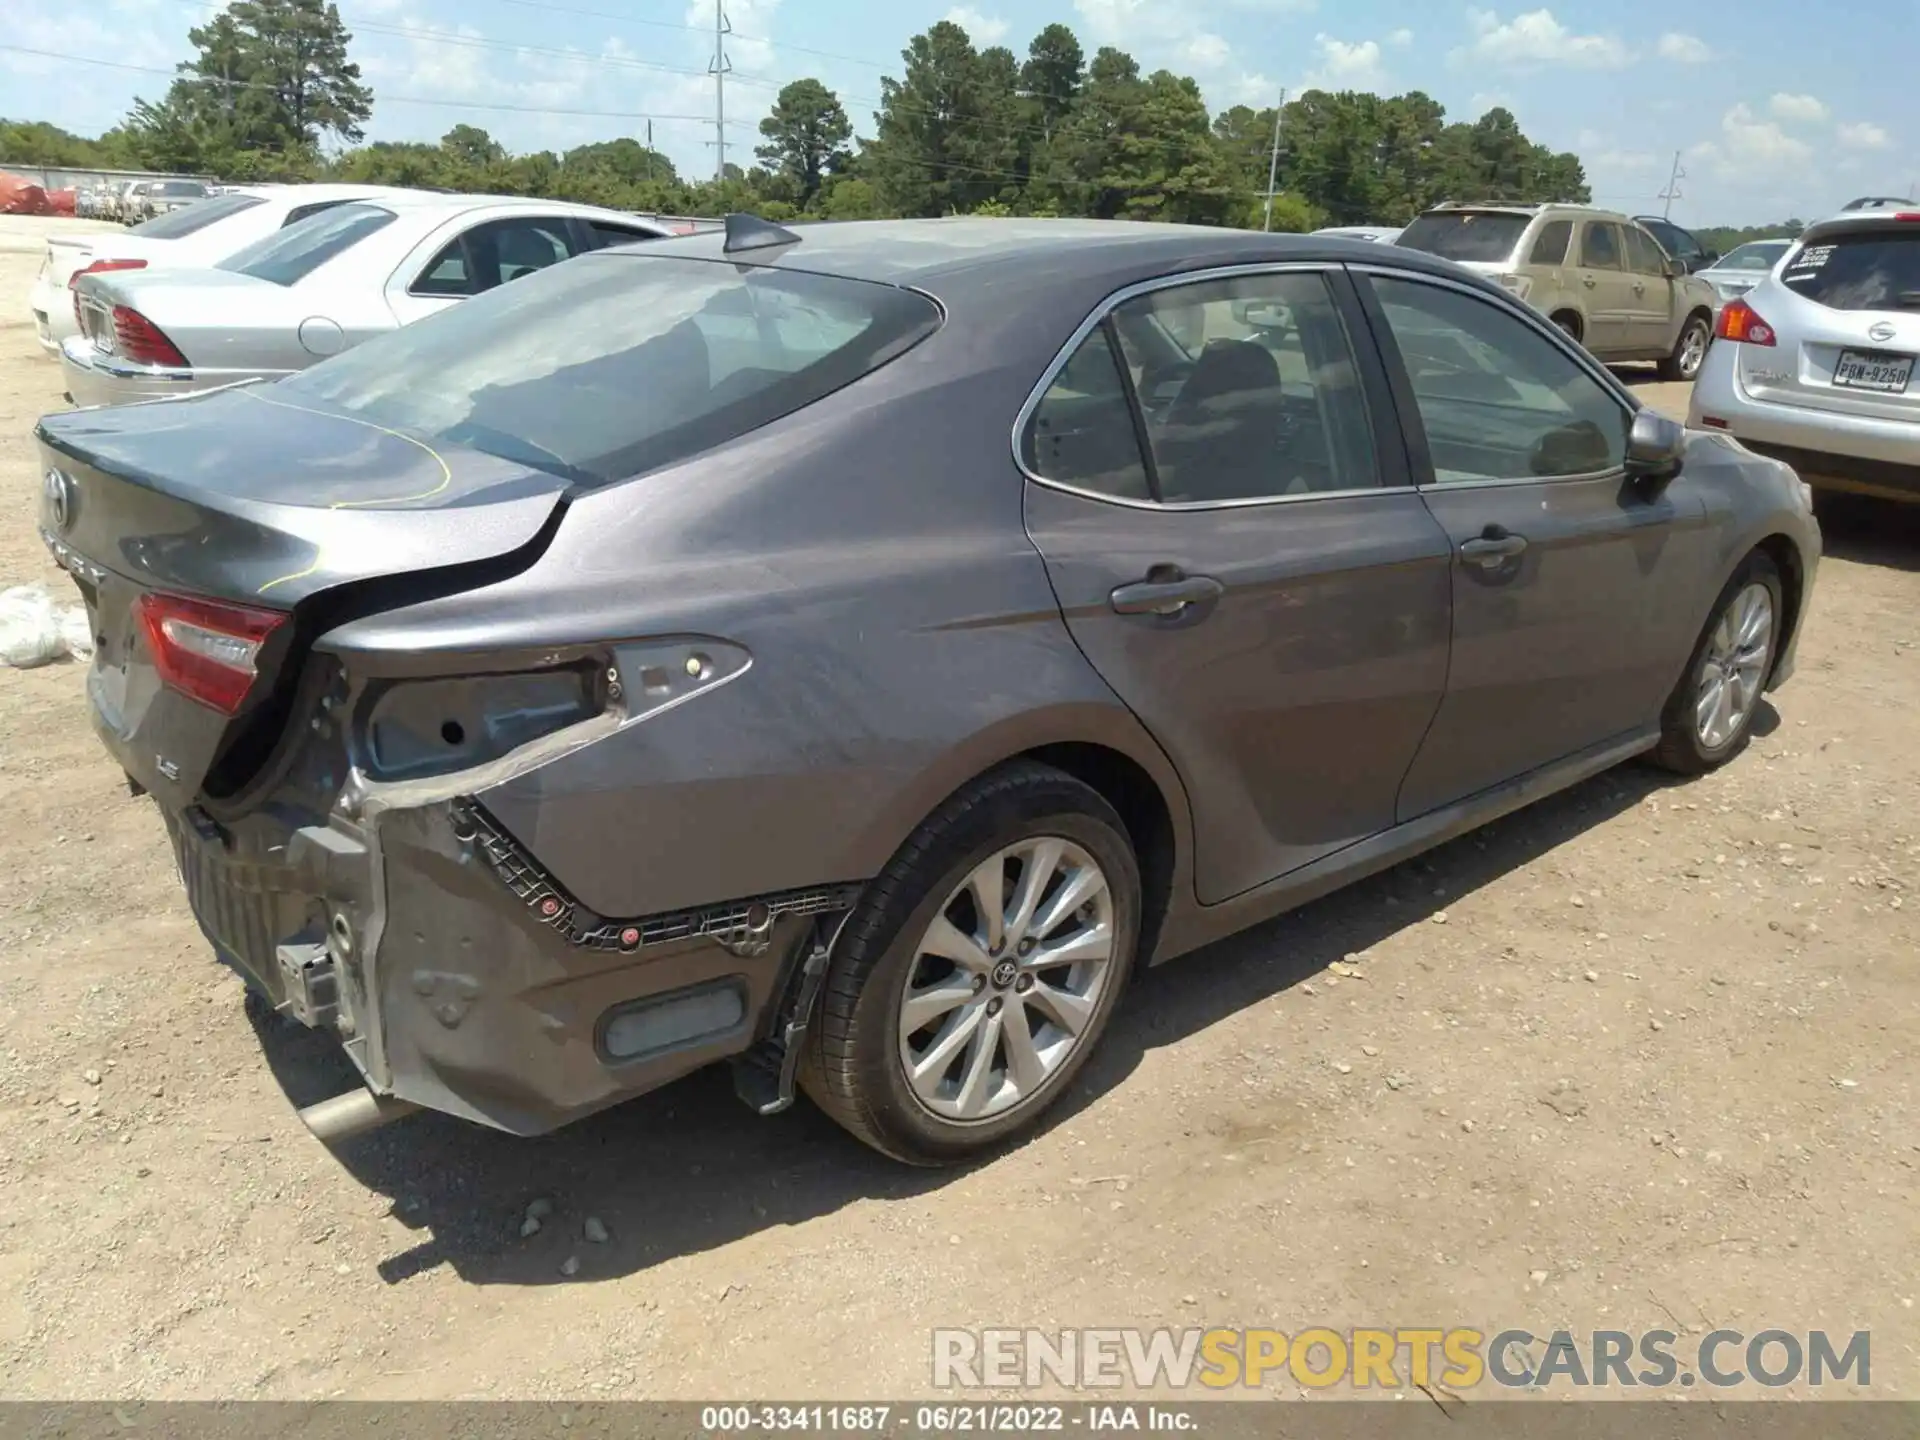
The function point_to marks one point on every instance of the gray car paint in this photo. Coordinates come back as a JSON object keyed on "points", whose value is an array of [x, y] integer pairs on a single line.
{"points": [[912, 611]]}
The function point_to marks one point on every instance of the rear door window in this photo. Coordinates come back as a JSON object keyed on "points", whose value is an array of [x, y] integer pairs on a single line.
{"points": [[1082, 433], [494, 253], [288, 256], [1600, 246], [1644, 255], [1877, 269], [1551, 247]]}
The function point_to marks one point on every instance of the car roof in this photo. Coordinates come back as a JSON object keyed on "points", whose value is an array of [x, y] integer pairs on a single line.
{"points": [[923, 253], [1856, 221], [1504, 207]]}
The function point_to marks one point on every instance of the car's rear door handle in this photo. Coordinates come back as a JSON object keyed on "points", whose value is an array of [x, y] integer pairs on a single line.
{"points": [[1170, 596], [1588, 281], [1493, 547]]}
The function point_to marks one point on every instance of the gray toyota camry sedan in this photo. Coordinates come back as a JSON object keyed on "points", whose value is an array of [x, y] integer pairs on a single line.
{"points": [[851, 652]]}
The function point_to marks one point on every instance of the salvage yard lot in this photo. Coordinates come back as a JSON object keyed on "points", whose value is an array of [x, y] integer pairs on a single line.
{"points": [[1642, 1056]]}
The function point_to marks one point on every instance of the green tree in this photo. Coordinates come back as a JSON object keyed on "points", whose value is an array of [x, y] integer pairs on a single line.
{"points": [[470, 145], [1053, 74], [268, 76], [849, 198], [947, 131], [807, 136]]}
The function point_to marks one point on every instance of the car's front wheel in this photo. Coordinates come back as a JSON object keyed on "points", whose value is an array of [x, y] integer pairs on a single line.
{"points": [[1707, 717], [980, 969]]}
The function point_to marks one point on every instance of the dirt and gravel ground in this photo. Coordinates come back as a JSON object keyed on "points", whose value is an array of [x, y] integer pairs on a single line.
{"points": [[1640, 1057]]}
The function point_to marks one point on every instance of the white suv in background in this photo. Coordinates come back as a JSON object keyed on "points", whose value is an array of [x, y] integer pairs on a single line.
{"points": [[1814, 365]]}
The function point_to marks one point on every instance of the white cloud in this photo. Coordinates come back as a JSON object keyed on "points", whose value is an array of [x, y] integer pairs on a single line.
{"points": [[1684, 49], [1400, 39], [1599, 153], [983, 30], [1481, 101], [1536, 38], [1798, 108], [1749, 145], [1172, 33], [1346, 65], [1862, 135]]}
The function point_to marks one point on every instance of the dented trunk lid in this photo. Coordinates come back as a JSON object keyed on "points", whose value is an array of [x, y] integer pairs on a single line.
{"points": [[240, 496]]}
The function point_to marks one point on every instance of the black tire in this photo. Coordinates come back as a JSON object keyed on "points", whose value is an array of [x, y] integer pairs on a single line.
{"points": [[1676, 366], [1681, 749], [852, 1068]]}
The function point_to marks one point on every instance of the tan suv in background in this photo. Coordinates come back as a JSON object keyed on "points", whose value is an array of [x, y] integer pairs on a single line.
{"points": [[1596, 274]]}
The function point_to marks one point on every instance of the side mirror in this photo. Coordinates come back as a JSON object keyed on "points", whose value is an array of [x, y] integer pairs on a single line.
{"points": [[1656, 448], [1678, 269]]}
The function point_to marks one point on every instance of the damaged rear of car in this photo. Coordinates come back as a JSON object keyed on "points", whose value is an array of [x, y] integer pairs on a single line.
{"points": [[340, 643]]}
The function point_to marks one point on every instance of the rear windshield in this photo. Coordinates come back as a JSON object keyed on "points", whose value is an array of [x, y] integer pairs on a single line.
{"points": [[1754, 255], [620, 362], [179, 187], [189, 218], [288, 256], [1876, 269], [1466, 235]]}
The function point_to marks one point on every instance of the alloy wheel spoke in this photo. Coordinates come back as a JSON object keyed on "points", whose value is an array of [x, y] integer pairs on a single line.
{"points": [[1037, 866], [1708, 704], [988, 882], [924, 1006], [1025, 1068], [957, 1034], [1069, 1011], [1084, 884], [1095, 942], [950, 942], [976, 1082]]}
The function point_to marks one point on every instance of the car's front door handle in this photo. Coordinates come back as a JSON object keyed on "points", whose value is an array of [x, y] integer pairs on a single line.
{"points": [[1589, 281], [1639, 287], [1493, 548], [1171, 596]]}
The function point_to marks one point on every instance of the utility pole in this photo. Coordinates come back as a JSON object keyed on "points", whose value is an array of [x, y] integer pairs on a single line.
{"points": [[1273, 161], [720, 66], [1672, 192]]}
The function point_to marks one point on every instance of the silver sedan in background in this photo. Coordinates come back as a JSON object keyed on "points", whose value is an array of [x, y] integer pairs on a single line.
{"points": [[316, 288], [1744, 267]]}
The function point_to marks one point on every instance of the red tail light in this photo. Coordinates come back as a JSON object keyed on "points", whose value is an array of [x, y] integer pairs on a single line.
{"points": [[138, 339], [1741, 323], [206, 650]]}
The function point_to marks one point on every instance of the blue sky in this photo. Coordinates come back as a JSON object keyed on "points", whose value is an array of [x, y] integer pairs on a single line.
{"points": [[1767, 103]]}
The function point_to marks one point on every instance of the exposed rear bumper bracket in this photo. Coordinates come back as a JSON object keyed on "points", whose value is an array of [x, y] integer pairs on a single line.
{"points": [[763, 1076]]}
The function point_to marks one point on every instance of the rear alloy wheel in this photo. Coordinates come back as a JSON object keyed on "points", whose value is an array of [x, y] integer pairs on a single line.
{"points": [[1689, 351], [1708, 716], [980, 970]]}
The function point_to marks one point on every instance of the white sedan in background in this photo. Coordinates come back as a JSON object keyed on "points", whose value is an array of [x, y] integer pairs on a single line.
{"points": [[202, 233], [318, 287]]}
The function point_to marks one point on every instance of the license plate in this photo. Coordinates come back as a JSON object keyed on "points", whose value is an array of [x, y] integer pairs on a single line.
{"points": [[1872, 370]]}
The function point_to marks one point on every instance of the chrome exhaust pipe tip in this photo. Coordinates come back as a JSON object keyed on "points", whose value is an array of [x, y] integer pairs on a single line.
{"points": [[354, 1113]]}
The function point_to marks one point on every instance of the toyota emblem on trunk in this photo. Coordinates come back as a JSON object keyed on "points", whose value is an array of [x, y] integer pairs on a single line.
{"points": [[1880, 330], [61, 499]]}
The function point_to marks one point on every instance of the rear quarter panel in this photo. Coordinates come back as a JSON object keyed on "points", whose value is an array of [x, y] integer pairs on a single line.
{"points": [[871, 555]]}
